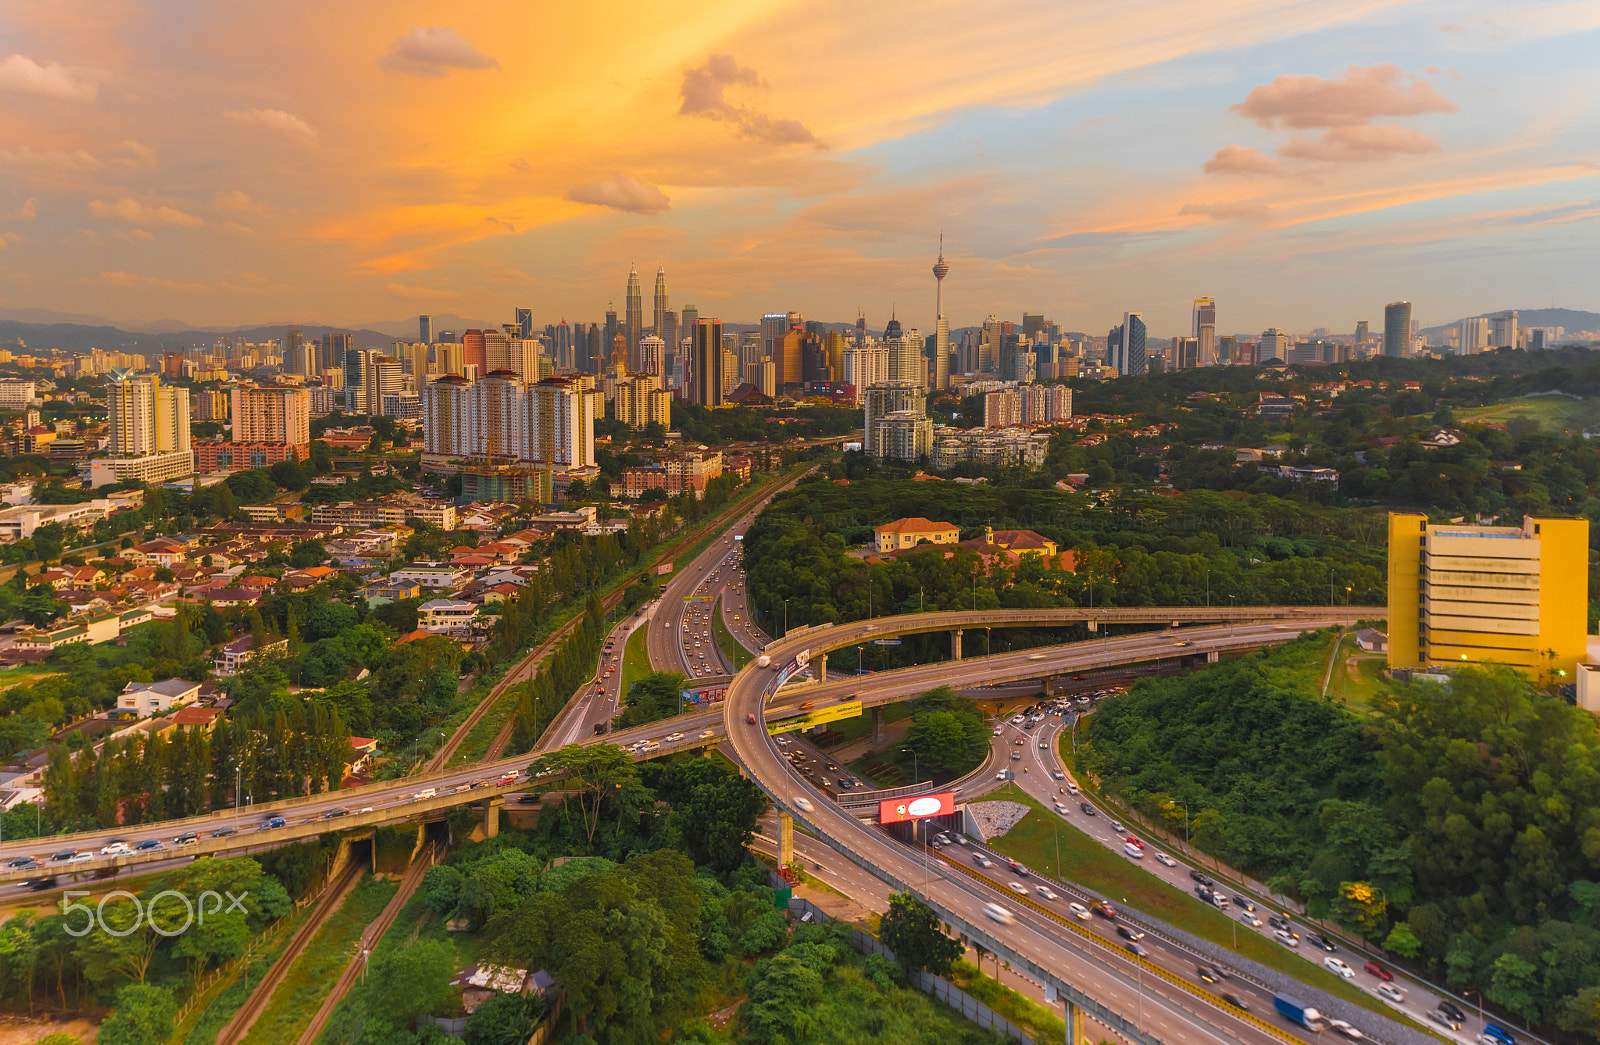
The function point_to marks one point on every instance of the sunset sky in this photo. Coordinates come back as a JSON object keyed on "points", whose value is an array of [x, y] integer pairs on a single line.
{"points": [[227, 163]]}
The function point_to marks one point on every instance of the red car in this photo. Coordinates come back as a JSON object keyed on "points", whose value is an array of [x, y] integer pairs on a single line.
{"points": [[1133, 840], [1379, 971], [1105, 910]]}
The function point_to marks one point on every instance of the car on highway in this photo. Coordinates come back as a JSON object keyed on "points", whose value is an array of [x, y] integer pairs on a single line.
{"points": [[1444, 1019], [1287, 939], [63, 856], [671, 737], [427, 792], [1086, 808], [270, 822], [115, 847], [82, 858], [1059, 775], [1019, 741], [1234, 1000], [1452, 1009], [1200, 876], [1339, 967], [1390, 991], [802, 804], [1016, 868], [187, 838], [1116, 825], [1379, 971], [1208, 974], [1133, 851], [1136, 948], [1105, 910], [223, 832], [1062, 810], [808, 705], [1048, 893], [1344, 1030], [1165, 860], [1129, 933], [1079, 911], [1016, 756], [1249, 919], [21, 861], [1018, 888], [981, 860], [999, 914], [1321, 941], [149, 845]]}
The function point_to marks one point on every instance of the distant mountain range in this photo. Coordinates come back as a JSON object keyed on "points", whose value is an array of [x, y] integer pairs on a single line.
{"points": [[1572, 319]]}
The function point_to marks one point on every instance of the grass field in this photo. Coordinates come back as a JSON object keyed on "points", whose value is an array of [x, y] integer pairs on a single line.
{"points": [[318, 966], [635, 659], [1555, 413], [203, 1025], [1041, 836], [737, 655], [10, 677], [1358, 691], [1040, 1023]]}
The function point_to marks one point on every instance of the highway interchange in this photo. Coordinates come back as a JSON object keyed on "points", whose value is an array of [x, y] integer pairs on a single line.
{"points": [[1104, 970]]}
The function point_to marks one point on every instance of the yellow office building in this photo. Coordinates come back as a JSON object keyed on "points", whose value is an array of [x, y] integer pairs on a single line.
{"points": [[1471, 594]]}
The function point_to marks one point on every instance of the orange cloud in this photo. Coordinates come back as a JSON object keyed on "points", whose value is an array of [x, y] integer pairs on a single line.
{"points": [[285, 123], [433, 52], [137, 213], [22, 75], [400, 290], [622, 193], [1345, 144], [704, 92], [1361, 96], [1241, 159], [1244, 210]]}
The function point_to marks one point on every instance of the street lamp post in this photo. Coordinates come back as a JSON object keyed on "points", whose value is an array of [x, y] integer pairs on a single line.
{"points": [[786, 617], [1479, 993]]}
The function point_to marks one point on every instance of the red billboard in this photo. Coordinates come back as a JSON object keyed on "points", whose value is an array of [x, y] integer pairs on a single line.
{"points": [[899, 810]]}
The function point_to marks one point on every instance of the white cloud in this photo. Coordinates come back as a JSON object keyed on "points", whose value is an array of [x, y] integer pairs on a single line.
{"points": [[135, 155], [400, 290], [622, 193], [1361, 96], [433, 51], [136, 213], [1242, 210], [237, 201], [28, 210], [704, 91], [23, 75], [23, 156], [286, 123]]}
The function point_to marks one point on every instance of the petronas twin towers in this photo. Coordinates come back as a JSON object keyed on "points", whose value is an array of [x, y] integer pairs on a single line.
{"points": [[633, 318]]}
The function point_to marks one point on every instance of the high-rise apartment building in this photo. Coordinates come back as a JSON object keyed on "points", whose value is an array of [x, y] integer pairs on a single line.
{"points": [[865, 366], [1397, 329], [1205, 331], [208, 406], [502, 419], [1274, 344], [640, 401], [331, 350], [1045, 404], [1472, 336], [271, 414], [1478, 594], [172, 365], [1002, 408], [633, 320], [1503, 332], [706, 377], [148, 431], [425, 329]]}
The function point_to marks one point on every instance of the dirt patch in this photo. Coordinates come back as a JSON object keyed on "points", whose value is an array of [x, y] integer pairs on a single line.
{"points": [[722, 1017], [25, 1032]]}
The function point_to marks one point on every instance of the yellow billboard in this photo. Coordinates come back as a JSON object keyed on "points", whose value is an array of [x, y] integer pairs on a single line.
{"points": [[816, 717]]}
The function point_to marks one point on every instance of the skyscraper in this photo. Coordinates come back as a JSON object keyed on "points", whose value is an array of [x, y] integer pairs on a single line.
{"points": [[1205, 330], [861, 330], [293, 341], [1361, 331], [659, 320], [1503, 331], [706, 364], [773, 326], [425, 329], [273, 414], [474, 350], [1128, 355], [1397, 329], [608, 337], [633, 319], [525, 322], [652, 355], [941, 326]]}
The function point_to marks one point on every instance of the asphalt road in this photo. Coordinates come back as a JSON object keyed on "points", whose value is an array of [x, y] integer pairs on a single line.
{"points": [[306, 813]]}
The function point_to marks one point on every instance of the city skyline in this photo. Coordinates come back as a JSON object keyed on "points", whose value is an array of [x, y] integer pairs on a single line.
{"points": [[1315, 161]]}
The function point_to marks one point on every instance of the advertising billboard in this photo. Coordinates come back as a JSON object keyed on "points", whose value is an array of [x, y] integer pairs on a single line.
{"points": [[899, 810], [843, 709]]}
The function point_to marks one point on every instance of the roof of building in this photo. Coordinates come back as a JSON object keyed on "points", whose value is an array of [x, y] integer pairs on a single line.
{"points": [[915, 524], [166, 687]]}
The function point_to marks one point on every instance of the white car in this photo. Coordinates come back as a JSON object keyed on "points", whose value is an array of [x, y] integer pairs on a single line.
{"points": [[803, 804], [1079, 911], [1249, 919], [114, 849], [1344, 1029], [1133, 851], [1165, 860], [1018, 888], [1338, 967], [1287, 939], [999, 914], [1390, 991], [1048, 893], [674, 736]]}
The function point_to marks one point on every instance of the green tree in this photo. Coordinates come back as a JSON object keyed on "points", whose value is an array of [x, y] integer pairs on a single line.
{"points": [[143, 1016], [911, 930], [1402, 941], [415, 980], [1513, 982], [596, 772]]}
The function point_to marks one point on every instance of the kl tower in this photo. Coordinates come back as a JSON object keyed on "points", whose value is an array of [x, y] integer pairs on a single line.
{"points": [[941, 337]]}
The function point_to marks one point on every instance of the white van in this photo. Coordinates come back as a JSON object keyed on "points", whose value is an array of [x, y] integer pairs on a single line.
{"points": [[430, 792]]}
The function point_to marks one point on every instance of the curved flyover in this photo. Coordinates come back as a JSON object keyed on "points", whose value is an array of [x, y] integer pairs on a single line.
{"points": [[1093, 978]]}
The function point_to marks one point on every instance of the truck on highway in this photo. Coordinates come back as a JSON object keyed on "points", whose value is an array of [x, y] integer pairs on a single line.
{"points": [[1298, 1012], [763, 661]]}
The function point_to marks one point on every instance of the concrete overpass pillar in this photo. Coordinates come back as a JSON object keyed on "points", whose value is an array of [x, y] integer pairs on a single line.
{"points": [[821, 661], [1074, 1017], [491, 816], [1094, 625], [877, 725], [955, 644], [1212, 657], [785, 839]]}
